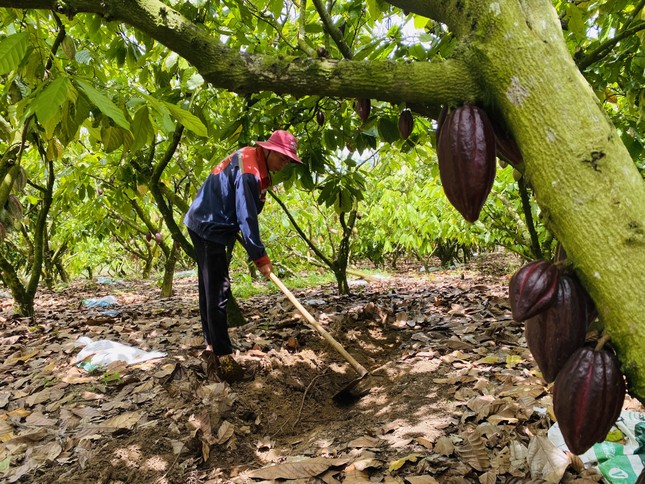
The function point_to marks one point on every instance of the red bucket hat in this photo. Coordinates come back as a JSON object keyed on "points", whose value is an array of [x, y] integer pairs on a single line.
{"points": [[282, 142]]}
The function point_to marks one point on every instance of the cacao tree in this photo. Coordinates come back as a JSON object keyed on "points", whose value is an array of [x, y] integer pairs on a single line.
{"points": [[509, 57]]}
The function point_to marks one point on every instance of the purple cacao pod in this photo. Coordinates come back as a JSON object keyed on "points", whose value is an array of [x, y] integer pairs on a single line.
{"points": [[532, 289], [505, 146], [363, 107], [554, 334], [320, 117], [406, 123], [440, 121], [466, 153], [588, 396]]}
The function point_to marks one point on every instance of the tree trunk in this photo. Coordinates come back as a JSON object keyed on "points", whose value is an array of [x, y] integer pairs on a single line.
{"points": [[591, 195], [169, 272]]}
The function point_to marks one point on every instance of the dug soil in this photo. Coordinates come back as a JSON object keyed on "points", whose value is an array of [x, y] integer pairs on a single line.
{"points": [[453, 395]]}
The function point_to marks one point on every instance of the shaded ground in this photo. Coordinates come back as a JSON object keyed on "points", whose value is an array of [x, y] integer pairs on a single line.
{"points": [[454, 395]]}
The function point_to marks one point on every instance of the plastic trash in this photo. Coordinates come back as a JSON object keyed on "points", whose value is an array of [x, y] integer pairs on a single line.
{"points": [[101, 302], [97, 355], [619, 463], [107, 280]]}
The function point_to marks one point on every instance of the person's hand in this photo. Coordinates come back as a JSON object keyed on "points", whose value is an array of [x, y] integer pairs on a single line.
{"points": [[266, 270]]}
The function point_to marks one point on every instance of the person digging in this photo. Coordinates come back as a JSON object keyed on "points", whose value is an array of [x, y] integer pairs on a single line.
{"points": [[227, 204]]}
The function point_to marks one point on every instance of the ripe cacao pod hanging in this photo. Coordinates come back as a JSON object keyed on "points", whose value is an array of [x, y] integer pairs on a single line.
{"points": [[320, 117], [554, 334], [466, 153], [588, 396], [440, 120], [406, 123], [363, 107], [532, 289], [505, 146], [592, 312]]}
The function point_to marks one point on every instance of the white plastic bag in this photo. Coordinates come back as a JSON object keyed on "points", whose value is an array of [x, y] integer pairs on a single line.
{"points": [[99, 354]]}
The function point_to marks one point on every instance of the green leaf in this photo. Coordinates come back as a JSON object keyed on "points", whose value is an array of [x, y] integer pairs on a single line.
{"points": [[188, 119], [48, 104], [12, 51], [141, 128], [420, 22], [373, 9], [104, 104], [389, 129], [112, 138]]}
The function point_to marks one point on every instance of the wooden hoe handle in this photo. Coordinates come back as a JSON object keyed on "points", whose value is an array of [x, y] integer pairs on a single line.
{"points": [[316, 325]]}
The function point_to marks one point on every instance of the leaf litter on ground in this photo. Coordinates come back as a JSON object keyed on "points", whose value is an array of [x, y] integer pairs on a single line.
{"points": [[456, 395]]}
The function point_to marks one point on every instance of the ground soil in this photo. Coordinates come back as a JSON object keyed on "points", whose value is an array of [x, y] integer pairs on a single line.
{"points": [[452, 395]]}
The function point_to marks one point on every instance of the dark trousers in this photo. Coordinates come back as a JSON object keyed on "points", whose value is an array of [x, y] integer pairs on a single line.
{"points": [[214, 291]]}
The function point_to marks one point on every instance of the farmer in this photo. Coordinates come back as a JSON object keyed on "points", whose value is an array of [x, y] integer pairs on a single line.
{"points": [[229, 202]]}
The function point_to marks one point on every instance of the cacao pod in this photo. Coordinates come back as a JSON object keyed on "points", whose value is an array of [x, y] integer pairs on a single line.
{"points": [[14, 207], [320, 117], [148, 236], [641, 478], [363, 107], [466, 153], [406, 123], [554, 334], [440, 120], [588, 396], [592, 312], [158, 237], [532, 289], [505, 146]]}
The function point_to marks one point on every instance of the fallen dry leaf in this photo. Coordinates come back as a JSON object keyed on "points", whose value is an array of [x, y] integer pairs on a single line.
{"points": [[546, 461], [300, 469]]}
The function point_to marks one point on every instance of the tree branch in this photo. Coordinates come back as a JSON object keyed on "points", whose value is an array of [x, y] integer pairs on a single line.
{"points": [[432, 83], [603, 49], [334, 32], [307, 240]]}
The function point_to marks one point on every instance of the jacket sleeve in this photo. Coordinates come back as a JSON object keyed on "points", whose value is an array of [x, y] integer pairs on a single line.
{"points": [[247, 207]]}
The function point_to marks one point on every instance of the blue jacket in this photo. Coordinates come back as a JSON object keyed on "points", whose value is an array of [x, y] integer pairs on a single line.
{"points": [[230, 200]]}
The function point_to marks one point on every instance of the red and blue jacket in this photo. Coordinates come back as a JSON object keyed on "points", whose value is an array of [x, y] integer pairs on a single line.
{"points": [[230, 200]]}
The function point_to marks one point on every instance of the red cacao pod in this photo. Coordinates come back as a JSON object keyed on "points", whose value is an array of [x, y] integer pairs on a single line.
{"points": [[505, 146], [554, 334], [363, 107], [588, 396], [440, 121], [532, 289], [320, 117], [466, 153], [406, 123], [592, 312]]}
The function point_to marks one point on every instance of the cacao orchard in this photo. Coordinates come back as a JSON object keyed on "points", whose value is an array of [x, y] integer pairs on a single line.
{"points": [[466, 154], [588, 396], [532, 289], [554, 334]]}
